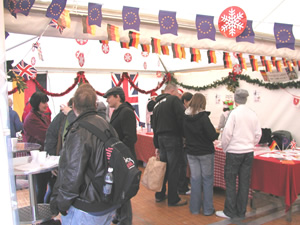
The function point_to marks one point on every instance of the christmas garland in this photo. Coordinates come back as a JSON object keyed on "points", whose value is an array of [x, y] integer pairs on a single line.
{"points": [[232, 82], [80, 78]]}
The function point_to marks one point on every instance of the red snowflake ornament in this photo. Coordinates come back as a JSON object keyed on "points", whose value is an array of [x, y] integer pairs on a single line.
{"points": [[236, 70], [81, 59], [81, 41], [105, 48], [127, 57], [232, 22], [145, 65], [33, 61], [158, 74]]}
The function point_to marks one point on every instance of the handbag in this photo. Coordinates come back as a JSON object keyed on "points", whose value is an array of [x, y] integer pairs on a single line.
{"points": [[154, 174]]}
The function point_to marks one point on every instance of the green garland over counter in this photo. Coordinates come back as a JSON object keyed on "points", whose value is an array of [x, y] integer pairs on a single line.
{"points": [[232, 82]]}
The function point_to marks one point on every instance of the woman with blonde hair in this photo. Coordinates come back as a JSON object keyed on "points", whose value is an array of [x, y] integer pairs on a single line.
{"points": [[200, 134]]}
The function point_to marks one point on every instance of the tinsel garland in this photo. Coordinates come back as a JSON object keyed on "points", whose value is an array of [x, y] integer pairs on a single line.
{"points": [[232, 82]]}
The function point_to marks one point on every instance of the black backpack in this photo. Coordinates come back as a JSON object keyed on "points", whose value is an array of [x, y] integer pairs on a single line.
{"points": [[283, 138], [126, 175]]}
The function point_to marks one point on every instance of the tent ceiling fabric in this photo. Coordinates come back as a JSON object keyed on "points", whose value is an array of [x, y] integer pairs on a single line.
{"points": [[261, 12]]}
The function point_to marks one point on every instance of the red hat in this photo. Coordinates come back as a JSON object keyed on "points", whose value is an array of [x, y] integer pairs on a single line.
{"points": [[153, 93]]}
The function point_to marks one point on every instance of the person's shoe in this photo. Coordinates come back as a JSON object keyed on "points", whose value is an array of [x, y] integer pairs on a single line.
{"points": [[184, 192], [222, 214], [115, 220], [213, 212], [161, 199], [180, 203]]}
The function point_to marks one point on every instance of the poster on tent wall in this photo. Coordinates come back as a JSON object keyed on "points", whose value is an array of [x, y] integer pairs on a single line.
{"points": [[131, 95], [283, 76], [22, 98]]}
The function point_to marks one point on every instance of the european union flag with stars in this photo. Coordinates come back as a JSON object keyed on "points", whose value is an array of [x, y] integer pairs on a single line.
{"points": [[24, 6], [284, 35], [205, 27], [56, 8], [247, 35], [168, 23], [95, 14], [131, 18]]}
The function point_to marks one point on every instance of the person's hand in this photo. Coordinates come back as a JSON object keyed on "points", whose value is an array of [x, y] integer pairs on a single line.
{"points": [[65, 109], [54, 172]]}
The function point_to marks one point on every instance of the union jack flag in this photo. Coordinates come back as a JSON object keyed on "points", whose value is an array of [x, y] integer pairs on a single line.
{"points": [[131, 95], [24, 70], [53, 23]]}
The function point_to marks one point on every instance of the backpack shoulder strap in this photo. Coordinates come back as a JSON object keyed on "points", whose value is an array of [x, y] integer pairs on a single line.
{"points": [[94, 130]]}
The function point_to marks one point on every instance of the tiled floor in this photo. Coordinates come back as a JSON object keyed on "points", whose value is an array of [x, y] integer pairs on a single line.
{"points": [[147, 212]]}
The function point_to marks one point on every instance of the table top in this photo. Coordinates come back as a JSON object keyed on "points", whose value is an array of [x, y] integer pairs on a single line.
{"points": [[26, 147]]}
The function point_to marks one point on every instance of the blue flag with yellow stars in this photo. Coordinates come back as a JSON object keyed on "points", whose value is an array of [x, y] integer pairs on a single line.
{"points": [[247, 35], [284, 37], [205, 27], [56, 8], [168, 23], [95, 14], [24, 6], [131, 18]]}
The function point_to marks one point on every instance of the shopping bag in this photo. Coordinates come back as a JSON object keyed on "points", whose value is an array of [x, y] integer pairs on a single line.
{"points": [[154, 174]]}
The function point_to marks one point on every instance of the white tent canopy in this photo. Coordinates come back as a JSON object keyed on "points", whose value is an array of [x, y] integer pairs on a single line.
{"points": [[262, 13]]}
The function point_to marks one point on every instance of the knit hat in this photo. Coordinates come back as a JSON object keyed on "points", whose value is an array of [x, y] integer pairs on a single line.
{"points": [[114, 91], [240, 96]]}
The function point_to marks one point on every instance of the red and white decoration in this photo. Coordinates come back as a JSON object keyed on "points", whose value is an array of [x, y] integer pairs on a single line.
{"points": [[105, 48], [81, 41], [145, 54], [236, 70], [145, 65], [158, 74], [296, 101], [33, 61], [128, 57], [81, 59], [232, 22], [77, 54]]}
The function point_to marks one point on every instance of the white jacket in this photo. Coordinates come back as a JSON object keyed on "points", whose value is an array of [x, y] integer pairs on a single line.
{"points": [[242, 131]]}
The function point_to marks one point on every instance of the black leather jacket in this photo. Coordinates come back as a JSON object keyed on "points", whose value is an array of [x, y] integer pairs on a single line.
{"points": [[82, 151]]}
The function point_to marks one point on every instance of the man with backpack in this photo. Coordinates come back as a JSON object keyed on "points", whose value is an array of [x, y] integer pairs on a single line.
{"points": [[76, 196]]}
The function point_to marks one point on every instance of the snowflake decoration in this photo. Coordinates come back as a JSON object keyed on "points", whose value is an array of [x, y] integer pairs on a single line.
{"points": [[232, 22], [81, 59], [81, 41], [33, 61], [105, 48], [127, 57], [237, 69]]}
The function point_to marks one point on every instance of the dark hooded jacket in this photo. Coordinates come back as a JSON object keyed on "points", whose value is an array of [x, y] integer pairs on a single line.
{"points": [[124, 121], [199, 134]]}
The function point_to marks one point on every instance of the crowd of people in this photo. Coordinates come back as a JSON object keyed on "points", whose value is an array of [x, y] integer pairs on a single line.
{"points": [[183, 136]]}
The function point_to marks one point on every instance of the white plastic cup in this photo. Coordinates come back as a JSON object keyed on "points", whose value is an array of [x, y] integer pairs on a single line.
{"points": [[34, 155], [14, 142], [42, 157]]}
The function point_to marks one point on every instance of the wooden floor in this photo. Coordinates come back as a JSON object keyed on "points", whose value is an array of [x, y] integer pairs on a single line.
{"points": [[147, 212]]}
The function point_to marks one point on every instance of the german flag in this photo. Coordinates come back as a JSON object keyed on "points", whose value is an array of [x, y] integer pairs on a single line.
{"points": [[195, 55], [284, 61], [176, 48], [86, 27], [264, 75], [294, 62], [273, 145], [227, 60], [268, 66], [165, 50], [278, 65], [262, 59], [254, 64], [156, 48], [113, 33], [103, 41], [273, 59], [64, 19], [124, 44], [242, 61], [145, 48], [289, 65], [183, 52], [211, 55], [134, 39], [251, 57]]}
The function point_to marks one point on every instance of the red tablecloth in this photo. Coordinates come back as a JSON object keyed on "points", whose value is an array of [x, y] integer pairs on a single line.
{"points": [[271, 176], [144, 147]]}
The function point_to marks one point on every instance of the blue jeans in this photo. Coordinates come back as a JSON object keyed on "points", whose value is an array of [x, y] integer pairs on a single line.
{"points": [[78, 217], [236, 200], [170, 149], [202, 182]]}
